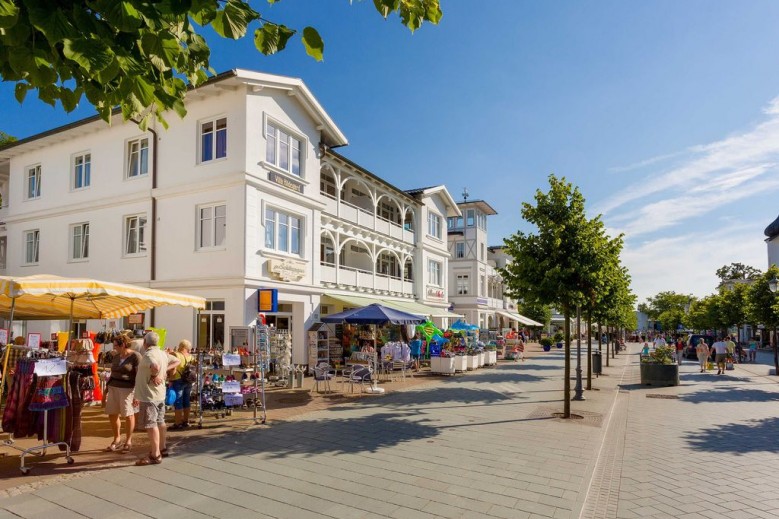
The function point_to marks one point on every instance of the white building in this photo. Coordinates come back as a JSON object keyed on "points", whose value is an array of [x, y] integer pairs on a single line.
{"points": [[244, 193], [772, 239]]}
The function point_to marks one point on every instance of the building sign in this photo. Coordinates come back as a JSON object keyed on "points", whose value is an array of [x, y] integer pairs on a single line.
{"points": [[283, 181], [436, 293], [287, 270], [135, 319], [268, 300], [481, 301]]}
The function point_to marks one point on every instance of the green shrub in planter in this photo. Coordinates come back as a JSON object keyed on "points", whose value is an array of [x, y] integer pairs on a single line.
{"points": [[558, 337], [546, 342]]}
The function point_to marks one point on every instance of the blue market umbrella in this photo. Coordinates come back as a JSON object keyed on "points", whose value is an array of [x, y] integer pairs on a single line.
{"points": [[373, 314], [461, 325]]}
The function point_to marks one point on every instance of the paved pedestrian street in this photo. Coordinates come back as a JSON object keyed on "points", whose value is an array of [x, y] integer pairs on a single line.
{"points": [[485, 444]]}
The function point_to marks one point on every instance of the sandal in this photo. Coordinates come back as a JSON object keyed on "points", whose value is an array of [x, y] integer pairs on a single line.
{"points": [[113, 447], [126, 448], [164, 453], [149, 460]]}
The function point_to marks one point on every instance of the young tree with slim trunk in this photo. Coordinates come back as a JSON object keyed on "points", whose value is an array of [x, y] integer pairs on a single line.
{"points": [[556, 265], [142, 55], [763, 307]]}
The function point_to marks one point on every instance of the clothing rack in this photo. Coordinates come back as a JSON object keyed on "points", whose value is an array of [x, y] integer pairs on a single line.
{"points": [[42, 367]]}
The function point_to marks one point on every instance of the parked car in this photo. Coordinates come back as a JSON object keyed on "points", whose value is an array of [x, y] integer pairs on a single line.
{"points": [[692, 342]]}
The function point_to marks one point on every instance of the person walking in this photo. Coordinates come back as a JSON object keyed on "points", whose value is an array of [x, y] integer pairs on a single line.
{"points": [[181, 386], [702, 351], [679, 351], [752, 350], [415, 349], [150, 396], [721, 354], [120, 394]]}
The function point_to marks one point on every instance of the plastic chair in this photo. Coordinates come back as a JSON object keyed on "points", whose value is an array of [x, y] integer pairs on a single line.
{"points": [[360, 375], [322, 375]]}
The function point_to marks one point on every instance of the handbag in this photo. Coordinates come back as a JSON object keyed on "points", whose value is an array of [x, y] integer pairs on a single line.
{"points": [[170, 396]]}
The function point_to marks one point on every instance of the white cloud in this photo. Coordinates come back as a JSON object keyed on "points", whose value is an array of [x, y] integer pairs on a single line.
{"points": [[687, 263]]}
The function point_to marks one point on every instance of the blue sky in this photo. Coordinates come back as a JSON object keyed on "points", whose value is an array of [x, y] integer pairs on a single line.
{"points": [[664, 113]]}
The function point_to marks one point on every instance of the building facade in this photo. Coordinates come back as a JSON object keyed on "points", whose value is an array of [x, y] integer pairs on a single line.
{"points": [[243, 194]]}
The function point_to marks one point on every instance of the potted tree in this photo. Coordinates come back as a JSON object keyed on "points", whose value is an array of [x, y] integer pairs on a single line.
{"points": [[546, 342], [659, 369], [558, 338]]}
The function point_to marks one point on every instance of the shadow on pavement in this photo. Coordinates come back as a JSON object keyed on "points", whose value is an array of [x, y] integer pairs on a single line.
{"points": [[530, 365], [326, 436], [417, 398], [502, 376], [737, 438], [730, 394]]}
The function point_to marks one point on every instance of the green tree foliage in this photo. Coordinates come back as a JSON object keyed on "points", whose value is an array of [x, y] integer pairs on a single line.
{"points": [[561, 264], [737, 271], [141, 55], [704, 313], [536, 311], [762, 304], [6, 139], [733, 305], [668, 308]]}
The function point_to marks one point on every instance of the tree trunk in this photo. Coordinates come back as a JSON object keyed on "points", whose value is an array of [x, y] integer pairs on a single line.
{"points": [[613, 344], [589, 351], [776, 355], [567, 370]]}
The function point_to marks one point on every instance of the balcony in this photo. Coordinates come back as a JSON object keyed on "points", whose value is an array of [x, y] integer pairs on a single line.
{"points": [[364, 281], [363, 217]]}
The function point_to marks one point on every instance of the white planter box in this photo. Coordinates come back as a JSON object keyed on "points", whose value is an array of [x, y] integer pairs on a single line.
{"points": [[481, 359], [491, 358], [460, 363], [442, 365], [472, 361]]}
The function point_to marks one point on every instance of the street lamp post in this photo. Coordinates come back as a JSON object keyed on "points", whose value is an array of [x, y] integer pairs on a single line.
{"points": [[578, 389], [773, 286]]}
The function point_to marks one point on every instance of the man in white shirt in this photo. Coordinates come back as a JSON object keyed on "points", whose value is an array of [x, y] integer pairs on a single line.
{"points": [[660, 341], [721, 351], [150, 395]]}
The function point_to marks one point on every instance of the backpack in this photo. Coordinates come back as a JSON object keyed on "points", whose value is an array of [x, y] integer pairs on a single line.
{"points": [[189, 374]]}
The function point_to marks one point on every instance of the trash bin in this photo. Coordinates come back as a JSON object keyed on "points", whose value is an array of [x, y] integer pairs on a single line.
{"points": [[597, 362]]}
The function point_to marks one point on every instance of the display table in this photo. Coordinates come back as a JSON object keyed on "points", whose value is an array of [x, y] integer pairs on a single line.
{"points": [[442, 365], [460, 363], [490, 357], [472, 361]]}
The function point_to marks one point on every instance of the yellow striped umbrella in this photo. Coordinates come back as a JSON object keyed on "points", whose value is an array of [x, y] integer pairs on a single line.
{"points": [[50, 297]]}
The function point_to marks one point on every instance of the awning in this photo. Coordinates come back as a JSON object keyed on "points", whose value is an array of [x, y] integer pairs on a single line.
{"points": [[519, 318], [404, 306]]}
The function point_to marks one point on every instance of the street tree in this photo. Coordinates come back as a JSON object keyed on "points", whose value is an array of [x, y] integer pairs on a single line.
{"points": [[704, 313], [763, 306], [737, 271], [6, 139], [668, 308], [555, 265], [732, 306], [142, 56], [537, 311]]}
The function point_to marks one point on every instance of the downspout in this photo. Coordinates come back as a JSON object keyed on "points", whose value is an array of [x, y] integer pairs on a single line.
{"points": [[153, 219]]}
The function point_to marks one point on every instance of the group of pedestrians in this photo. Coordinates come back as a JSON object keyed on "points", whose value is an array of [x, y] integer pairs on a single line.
{"points": [[722, 350], [137, 386]]}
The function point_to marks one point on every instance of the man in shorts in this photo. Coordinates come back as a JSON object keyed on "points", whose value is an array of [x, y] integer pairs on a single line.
{"points": [[721, 354], [150, 395], [415, 347]]}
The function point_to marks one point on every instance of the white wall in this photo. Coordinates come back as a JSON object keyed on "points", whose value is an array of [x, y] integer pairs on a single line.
{"points": [[773, 251]]}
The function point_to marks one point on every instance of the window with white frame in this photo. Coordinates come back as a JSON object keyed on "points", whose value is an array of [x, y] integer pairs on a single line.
{"points": [[31, 246], [482, 286], [463, 284], [481, 251], [33, 184], [459, 249], [434, 225], [282, 149], [138, 157], [82, 170], [212, 226], [434, 272], [134, 235], [282, 231], [213, 139], [3, 251], [469, 217], [79, 241]]}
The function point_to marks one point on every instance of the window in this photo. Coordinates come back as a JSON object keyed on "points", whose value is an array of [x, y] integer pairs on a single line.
{"points": [[454, 222], [434, 272], [481, 251], [213, 139], [134, 235], [211, 326], [33, 182], [463, 284], [82, 170], [31, 245], [408, 271], [434, 225], [482, 286], [388, 265], [282, 231], [282, 149], [3, 251], [459, 249], [79, 241], [327, 251], [469, 217], [138, 157], [212, 226]]}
